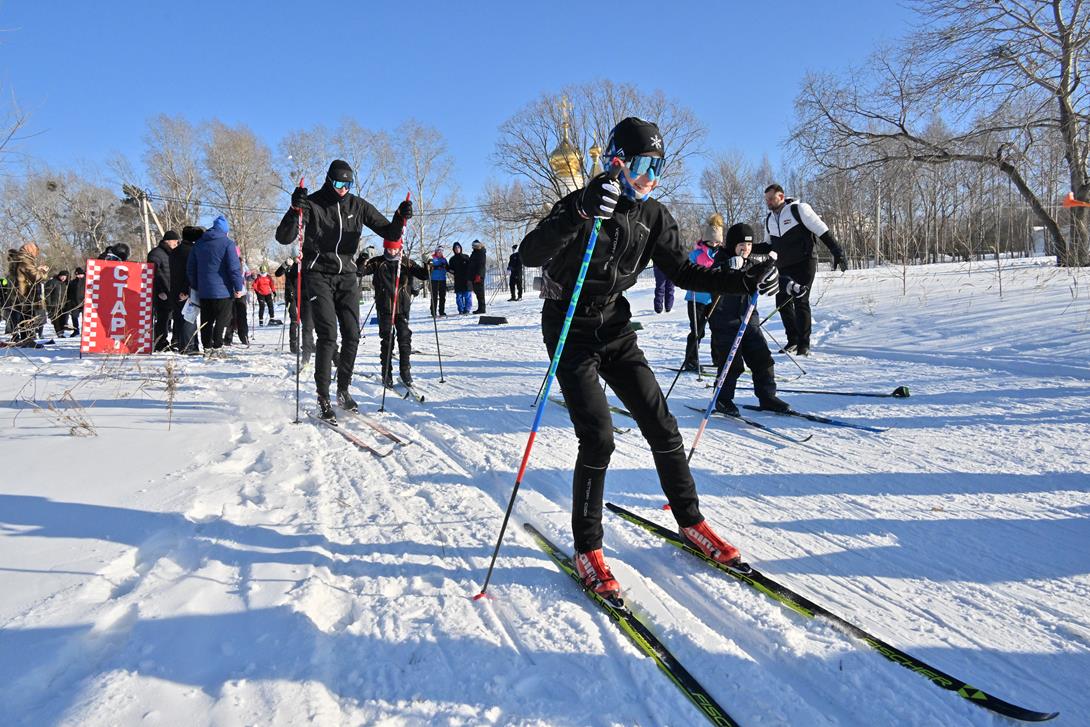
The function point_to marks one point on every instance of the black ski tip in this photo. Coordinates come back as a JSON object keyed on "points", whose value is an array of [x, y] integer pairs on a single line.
{"points": [[901, 392]]}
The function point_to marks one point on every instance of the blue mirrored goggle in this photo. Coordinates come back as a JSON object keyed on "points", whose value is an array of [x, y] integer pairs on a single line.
{"points": [[641, 165], [341, 185]]}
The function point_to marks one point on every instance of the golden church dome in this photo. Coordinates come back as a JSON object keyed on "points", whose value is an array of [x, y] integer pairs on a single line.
{"points": [[565, 159]]}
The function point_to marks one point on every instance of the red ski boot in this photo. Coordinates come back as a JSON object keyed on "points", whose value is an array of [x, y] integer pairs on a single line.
{"points": [[592, 568], [702, 537]]}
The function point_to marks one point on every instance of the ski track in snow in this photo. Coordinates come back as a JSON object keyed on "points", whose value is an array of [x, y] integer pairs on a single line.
{"points": [[242, 569]]}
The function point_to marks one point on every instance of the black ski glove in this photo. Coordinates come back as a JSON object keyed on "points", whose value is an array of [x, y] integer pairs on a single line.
{"points": [[405, 210], [790, 287], [299, 198], [834, 248], [599, 197], [762, 276]]}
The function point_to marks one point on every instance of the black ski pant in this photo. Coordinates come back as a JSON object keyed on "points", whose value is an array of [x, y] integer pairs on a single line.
{"points": [[178, 330], [215, 314], [516, 285], [404, 345], [60, 322], [478, 290], [622, 364], [438, 297], [263, 302], [795, 311], [698, 319], [293, 328], [753, 352], [162, 315], [238, 323], [334, 302]]}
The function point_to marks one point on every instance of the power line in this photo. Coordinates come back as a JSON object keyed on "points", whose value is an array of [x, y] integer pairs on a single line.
{"points": [[455, 210]]}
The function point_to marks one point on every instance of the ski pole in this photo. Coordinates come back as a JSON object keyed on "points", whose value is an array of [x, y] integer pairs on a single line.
{"points": [[785, 352], [393, 322], [723, 373], [539, 390], [438, 351], [299, 309], [764, 320], [614, 172], [363, 323], [682, 367]]}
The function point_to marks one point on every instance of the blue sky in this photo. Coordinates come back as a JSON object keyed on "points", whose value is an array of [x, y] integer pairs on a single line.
{"points": [[92, 73]]}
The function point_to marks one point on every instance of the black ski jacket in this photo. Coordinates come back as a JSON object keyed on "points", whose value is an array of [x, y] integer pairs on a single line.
{"points": [[477, 264], [289, 273], [514, 265], [77, 287], [637, 234], [332, 228], [383, 272], [179, 264], [458, 264], [161, 256]]}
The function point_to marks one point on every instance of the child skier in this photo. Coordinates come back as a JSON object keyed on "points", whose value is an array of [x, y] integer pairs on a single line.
{"points": [[600, 342], [383, 271], [698, 304], [265, 291], [724, 322]]}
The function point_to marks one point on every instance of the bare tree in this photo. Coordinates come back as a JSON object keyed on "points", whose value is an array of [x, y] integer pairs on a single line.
{"points": [[730, 184], [11, 121], [427, 169], [307, 153], [373, 157], [1008, 76], [70, 217], [528, 137], [172, 158], [304, 155], [242, 184]]}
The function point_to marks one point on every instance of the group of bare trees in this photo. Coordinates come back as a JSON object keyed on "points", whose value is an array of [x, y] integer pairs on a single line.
{"points": [[963, 138], [191, 172], [960, 141]]}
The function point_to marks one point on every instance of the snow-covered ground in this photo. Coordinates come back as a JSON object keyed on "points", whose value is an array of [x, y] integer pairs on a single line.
{"points": [[238, 569]]}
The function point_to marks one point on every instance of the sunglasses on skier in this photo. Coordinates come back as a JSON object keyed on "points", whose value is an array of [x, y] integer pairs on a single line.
{"points": [[641, 164], [341, 185]]}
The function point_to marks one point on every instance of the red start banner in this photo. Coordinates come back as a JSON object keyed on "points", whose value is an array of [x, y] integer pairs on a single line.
{"points": [[117, 307]]}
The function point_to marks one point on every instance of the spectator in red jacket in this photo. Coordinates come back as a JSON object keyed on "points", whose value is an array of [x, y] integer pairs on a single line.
{"points": [[265, 291]]}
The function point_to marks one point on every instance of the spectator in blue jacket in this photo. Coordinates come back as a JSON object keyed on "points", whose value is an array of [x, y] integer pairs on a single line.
{"points": [[439, 268], [215, 274], [699, 304]]}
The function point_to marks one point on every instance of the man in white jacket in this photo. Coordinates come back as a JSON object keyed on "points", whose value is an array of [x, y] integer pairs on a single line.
{"points": [[790, 230]]}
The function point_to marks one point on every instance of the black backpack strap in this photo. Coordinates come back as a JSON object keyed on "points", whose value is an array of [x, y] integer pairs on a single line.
{"points": [[795, 212]]}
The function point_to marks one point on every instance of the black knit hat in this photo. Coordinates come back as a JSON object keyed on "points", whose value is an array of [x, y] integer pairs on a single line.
{"points": [[63, 273], [80, 271], [633, 136], [192, 233], [170, 235], [736, 233], [340, 171]]}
